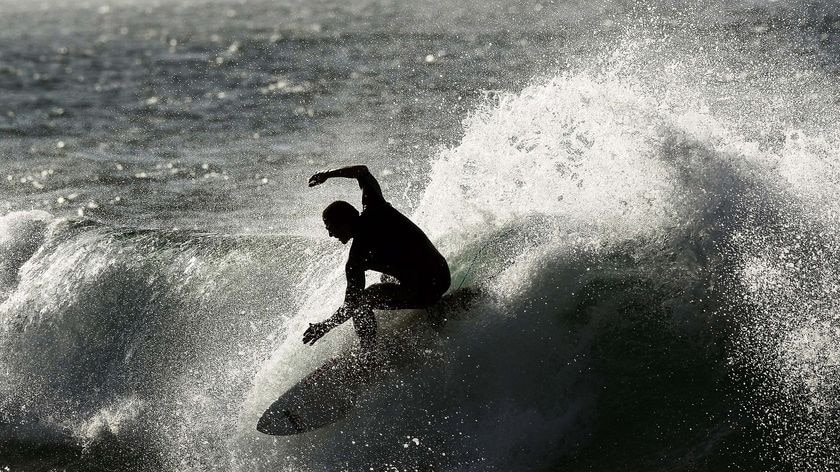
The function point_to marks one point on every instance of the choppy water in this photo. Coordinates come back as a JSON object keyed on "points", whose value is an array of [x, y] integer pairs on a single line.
{"points": [[646, 192]]}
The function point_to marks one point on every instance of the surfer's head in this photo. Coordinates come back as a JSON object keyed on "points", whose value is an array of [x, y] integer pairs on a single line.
{"points": [[340, 219]]}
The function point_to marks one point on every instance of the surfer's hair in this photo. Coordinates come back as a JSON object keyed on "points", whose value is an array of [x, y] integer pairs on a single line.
{"points": [[340, 212]]}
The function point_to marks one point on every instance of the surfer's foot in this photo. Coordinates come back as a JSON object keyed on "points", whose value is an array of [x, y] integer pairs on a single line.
{"points": [[368, 344], [435, 317], [367, 364], [464, 298], [459, 300], [454, 302]]}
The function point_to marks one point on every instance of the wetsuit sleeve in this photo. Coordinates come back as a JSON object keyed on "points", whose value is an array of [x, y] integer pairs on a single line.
{"points": [[371, 191]]}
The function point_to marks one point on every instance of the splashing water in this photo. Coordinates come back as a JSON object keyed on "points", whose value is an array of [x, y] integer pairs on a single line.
{"points": [[654, 230]]}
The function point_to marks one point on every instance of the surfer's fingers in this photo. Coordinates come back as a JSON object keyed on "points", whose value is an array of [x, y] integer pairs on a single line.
{"points": [[317, 179], [315, 337], [315, 332]]}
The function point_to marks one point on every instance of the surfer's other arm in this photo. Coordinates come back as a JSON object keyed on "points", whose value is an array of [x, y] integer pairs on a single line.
{"points": [[352, 298], [371, 191]]}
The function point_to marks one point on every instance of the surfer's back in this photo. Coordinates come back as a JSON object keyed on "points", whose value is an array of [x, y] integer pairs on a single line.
{"points": [[387, 241]]}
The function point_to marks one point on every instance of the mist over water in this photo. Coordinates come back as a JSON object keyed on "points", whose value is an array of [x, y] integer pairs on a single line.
{"points": [[645, 194]]}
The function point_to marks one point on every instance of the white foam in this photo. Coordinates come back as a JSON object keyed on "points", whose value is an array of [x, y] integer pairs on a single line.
{"points": [[21, 234], [122, 414]]}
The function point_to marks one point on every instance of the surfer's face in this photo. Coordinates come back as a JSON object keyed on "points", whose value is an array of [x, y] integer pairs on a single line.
{"points": [[338, 231]]}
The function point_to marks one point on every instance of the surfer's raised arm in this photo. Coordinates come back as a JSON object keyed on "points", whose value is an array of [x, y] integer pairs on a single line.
{"points": [[371, 191]]}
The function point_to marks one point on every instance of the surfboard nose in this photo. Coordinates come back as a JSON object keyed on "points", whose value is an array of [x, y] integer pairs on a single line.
{"points": [[264, 425], [280, 422]]}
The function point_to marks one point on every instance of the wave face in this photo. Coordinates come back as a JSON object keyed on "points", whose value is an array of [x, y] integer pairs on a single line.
{"points": [[126, 342], [655, 230]]}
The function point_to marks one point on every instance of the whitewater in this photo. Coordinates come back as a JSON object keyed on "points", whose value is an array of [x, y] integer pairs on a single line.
{"points": [[644, 193]]}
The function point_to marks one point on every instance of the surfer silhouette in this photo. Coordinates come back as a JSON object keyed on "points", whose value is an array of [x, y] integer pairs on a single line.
{"points": [[385, 241]]}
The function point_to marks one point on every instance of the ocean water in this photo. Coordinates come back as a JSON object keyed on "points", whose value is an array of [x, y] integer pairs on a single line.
{"points": [[645, 192]]}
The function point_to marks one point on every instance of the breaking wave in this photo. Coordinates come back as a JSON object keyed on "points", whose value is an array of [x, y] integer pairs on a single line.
{"points": [[659, 278]]}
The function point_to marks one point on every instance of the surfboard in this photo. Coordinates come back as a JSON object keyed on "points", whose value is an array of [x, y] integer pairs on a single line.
{"points": [[329, 394]]}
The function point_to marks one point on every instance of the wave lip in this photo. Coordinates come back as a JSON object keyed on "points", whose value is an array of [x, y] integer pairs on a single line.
{"points": [[21, 234]]}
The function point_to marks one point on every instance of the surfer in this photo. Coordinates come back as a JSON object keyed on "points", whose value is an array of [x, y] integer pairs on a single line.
{"points": [[385, 241]]}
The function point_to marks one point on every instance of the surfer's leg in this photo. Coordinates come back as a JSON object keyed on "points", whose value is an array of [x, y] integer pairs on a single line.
{"points": [[390, 296], [383, 296], [364, 323], [387, 296]]}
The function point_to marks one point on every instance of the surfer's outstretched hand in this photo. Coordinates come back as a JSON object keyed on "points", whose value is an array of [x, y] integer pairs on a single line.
{"points": [[315, 331], [318, 179]]}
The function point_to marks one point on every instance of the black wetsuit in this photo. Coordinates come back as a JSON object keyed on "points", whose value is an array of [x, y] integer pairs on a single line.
{"points": [[386, 241]]}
